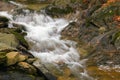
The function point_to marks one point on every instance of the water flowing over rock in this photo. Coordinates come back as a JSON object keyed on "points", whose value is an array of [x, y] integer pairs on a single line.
{"points": [[43, 36], [93, 24]]}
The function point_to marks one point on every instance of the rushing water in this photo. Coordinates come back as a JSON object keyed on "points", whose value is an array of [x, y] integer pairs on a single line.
{"points": [[43, 35]]}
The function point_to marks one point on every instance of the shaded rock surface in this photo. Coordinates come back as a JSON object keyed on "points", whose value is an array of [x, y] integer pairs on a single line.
{"points": [[53, 72], [16, 75]]}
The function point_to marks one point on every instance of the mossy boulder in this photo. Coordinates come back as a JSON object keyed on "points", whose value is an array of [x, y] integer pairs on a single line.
{"points": [[18, 36], [8, 41]]}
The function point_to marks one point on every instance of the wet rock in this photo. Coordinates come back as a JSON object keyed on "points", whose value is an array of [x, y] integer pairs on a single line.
{"points": [[55, 72], [3, 22], [16, 40], [19, 27], [27, 68], [12, 58], [16, 36], [71, 32], [49, 75], [17, 75]]}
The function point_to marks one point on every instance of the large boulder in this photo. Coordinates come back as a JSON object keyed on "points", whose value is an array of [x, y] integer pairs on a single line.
{"points": [[8, 41], [54, 72], [16, 38]]}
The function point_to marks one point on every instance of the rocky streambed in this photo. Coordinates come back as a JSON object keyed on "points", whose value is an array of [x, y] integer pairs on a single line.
{"points": [[94, 25]]}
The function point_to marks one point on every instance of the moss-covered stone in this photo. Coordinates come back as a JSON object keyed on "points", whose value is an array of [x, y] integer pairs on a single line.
{"points": [[7, 41], [21, 39], [17, 32]]}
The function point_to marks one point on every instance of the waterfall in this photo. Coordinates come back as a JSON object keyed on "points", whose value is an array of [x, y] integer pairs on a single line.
{"points": [[43, 36]]}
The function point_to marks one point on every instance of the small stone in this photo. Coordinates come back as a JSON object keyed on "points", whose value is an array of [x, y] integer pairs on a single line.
{"points": [[12, 58], [102, 29]]}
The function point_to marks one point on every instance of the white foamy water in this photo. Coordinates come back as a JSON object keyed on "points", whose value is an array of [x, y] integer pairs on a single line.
{"points": [[43, 33], [43, 36]]}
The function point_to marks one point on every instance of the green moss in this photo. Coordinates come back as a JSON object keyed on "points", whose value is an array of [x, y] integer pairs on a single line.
{"points": [[18, 34], [3, 53], [3, 59], [21, 39]]}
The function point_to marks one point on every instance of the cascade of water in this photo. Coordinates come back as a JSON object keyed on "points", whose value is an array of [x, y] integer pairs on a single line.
{"points": [[43, 35]]}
